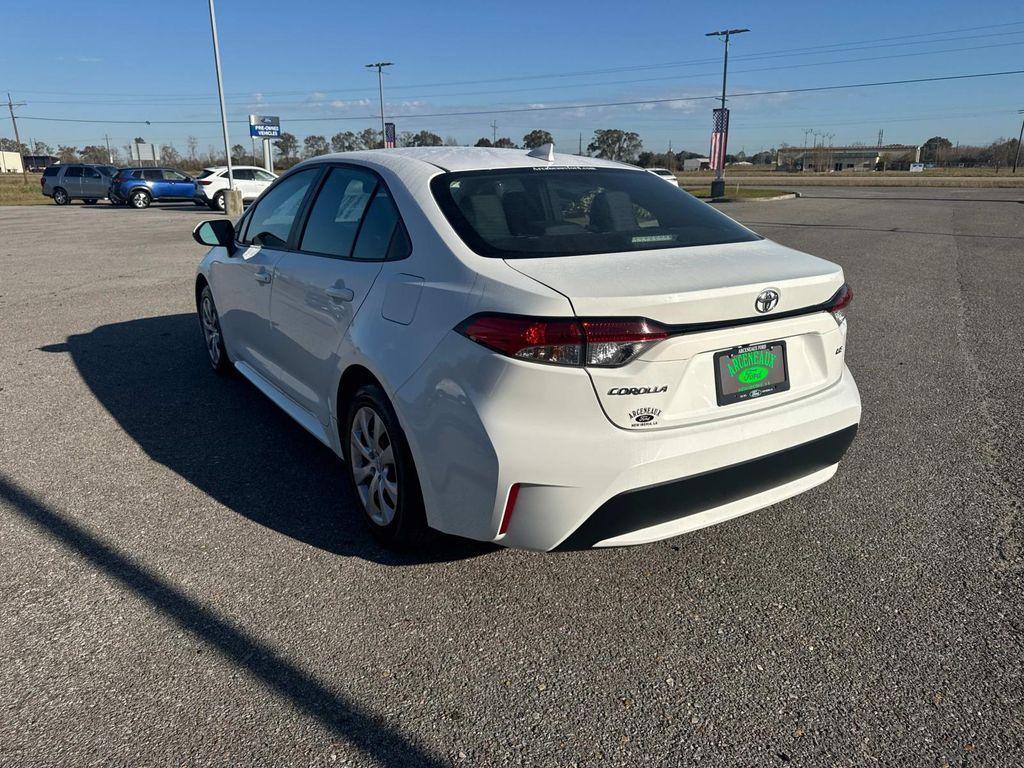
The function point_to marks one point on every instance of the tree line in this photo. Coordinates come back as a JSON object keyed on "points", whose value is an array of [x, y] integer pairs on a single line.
{"points": [[606, 143]]}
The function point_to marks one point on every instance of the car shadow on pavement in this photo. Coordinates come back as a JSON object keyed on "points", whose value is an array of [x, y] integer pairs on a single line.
{"points": [[228, 439], [172, 207], [342, 715]]}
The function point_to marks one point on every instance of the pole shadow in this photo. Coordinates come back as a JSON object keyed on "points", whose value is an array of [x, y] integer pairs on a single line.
{"points": [[337, 712], [229, 440]]}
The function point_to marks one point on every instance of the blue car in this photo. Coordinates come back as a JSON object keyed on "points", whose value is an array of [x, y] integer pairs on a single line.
{"points": [[138, 187]]}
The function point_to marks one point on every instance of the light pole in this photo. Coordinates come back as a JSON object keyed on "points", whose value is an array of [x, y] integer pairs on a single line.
{"points": [[229, 201], [379, 66], [17, 139], [718, 185], [1016, 157]]}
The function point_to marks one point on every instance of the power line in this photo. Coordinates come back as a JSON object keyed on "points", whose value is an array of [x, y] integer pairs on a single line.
{"points": [[672, 78], [553, 108], [824, 48]]}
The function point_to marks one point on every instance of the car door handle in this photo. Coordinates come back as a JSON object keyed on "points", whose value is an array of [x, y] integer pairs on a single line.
{"points": [[340, 293], [263, 276]]}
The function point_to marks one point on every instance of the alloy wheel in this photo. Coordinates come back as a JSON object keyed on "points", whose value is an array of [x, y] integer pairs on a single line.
{"points": [[60, 197], [211, 328], [373, 466], [139, 200]]}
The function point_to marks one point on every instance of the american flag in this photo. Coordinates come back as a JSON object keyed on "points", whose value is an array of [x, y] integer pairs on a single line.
{"points": [[719, 138]]}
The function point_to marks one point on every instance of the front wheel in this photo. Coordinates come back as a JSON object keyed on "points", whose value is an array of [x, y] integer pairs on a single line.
{"points": [[209, 323], [381, 469]]}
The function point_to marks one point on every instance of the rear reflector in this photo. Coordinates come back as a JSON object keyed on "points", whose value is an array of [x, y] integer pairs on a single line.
{"points": [[510, 505], [601, 342]]}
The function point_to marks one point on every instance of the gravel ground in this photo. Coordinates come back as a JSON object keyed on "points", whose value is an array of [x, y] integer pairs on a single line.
{"points": [[183, 580]]}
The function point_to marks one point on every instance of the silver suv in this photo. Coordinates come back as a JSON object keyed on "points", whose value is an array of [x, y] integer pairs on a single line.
{"points": [[77, 181]]}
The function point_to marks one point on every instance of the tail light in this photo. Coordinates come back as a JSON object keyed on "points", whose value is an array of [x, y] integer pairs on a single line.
{"points": [[839, 304], [205, 182], [599, 342]]}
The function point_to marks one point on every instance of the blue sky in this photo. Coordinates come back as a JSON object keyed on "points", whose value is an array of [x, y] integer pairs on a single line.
{"points": [[303, 60]]}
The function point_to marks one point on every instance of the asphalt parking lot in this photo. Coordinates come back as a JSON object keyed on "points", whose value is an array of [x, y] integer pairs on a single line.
{"points": [[183, 581]]}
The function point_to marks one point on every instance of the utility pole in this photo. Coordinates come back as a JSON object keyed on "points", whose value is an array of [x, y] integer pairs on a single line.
{"points": [[110, 156], [581, 144], [718, 185], [494, 132], [233, 198], [1016, 157], [807, 132], [10, 106], [379, 66]]}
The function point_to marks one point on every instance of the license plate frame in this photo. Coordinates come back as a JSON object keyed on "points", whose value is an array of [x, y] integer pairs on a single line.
{"points": [[754, 389]]}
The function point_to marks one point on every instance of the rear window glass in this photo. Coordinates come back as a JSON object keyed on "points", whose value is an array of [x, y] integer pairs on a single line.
{"points": [[537, 212], [206, 172], [52, 171]]}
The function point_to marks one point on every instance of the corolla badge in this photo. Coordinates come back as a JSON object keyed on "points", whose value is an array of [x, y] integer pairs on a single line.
{"points": [[766, 300]]}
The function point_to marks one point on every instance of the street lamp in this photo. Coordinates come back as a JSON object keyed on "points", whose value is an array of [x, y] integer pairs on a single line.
{"points": [[718, 185], [232, 207], [1016, 157], [379, 66]]}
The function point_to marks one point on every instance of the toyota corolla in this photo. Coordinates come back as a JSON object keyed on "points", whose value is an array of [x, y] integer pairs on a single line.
{"points": [[540, 350]]}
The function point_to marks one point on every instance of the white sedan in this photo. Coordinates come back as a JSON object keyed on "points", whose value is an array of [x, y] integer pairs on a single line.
{"points": [[212, 184], [544, 351], [666, 174]]}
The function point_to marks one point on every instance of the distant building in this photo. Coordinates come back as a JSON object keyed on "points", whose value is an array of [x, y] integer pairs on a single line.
{"points": [[10, 162], [696, 164], [848, 158], [39, 162]]}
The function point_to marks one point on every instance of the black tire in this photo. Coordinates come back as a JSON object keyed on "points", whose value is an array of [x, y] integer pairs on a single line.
{"points": [[90, 201], [407, 527], [61, 196], [213, 337], [219, 202], [139, 199], [115, 201]]}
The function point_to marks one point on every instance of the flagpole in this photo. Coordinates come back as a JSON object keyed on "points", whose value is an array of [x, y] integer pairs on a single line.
{"points": [[718, 185]]}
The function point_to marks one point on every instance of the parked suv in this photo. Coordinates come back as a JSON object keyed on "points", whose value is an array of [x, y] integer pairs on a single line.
{"points": [[77, 181], [212, 184], [138, 187]]}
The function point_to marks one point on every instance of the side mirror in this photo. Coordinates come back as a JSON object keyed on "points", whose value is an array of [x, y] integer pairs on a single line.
{"points": [[217, 232]]}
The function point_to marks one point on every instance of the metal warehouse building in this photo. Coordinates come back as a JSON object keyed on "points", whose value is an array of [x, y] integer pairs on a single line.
{"points": [[847, 158]]}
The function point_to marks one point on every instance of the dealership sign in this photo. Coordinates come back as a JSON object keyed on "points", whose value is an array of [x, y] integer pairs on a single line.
{"points": [[264, 126]]}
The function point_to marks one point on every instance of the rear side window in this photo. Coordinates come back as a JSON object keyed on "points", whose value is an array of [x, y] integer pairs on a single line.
{"points": [[271, 221], [74, 172], [153, 174], [334, 218], [91, 173], [537, 212], [378, 228], [242, 174], [53, 170]]}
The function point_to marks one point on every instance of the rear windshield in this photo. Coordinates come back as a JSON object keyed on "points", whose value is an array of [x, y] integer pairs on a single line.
{"points": [[536, 212], [205, 172]]}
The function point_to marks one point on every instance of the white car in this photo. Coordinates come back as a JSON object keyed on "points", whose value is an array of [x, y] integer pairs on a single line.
{"points": [[665, 174], [212, 183], [543, 351]]}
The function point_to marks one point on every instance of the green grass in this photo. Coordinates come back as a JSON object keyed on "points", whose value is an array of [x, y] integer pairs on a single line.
{"points": [[15, 191], [732, 192]]}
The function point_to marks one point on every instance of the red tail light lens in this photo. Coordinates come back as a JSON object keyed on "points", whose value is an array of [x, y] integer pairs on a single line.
{"points": [[606, 343], [205, 182], [510, 505], [839, 304]]}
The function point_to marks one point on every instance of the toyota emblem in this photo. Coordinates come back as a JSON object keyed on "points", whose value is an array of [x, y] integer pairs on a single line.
{"points": [[766, 300]]}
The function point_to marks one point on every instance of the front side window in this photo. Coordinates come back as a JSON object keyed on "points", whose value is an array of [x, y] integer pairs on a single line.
{"points": [[538, 212], [271, 221], [91, 173], [153, 174], [335, 216], [174, 176]]}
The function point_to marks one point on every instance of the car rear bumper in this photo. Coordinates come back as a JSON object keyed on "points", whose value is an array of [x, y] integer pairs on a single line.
{"points": [[480, 423]]}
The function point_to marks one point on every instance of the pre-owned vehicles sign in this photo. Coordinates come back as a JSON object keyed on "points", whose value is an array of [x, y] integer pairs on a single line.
{"points": [[264, 126]]}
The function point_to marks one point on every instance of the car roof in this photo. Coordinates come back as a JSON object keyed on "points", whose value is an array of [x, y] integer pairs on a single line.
{"points": [[216, 168], [469, 158]]}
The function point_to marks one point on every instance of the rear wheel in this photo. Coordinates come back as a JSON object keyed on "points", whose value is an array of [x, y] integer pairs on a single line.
{"points": [[139, 198], [381, 469], [61, 196], [219, 202]]}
